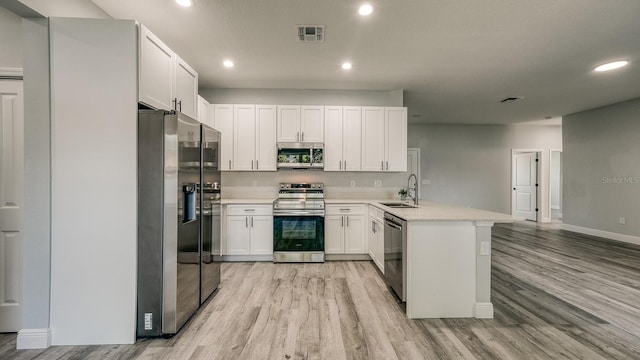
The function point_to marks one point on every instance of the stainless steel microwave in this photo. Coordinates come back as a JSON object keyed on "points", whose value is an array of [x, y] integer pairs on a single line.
{"points": [[300, 155]]}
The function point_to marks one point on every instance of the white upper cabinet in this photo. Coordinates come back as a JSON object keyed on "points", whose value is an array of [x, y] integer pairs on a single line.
{"points": [[252, 146], [165, 81], [156, 71], [266, 151], [244, 137], [203, 111], [186, 88], [384, 139], [342, 145], [288, 123], [223, 119], [395, 123], [312, 123], [373, 138], [300, 123]]}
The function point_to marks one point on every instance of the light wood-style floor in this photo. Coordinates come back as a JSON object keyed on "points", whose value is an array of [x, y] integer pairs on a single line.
{"points": [[557, 295]]}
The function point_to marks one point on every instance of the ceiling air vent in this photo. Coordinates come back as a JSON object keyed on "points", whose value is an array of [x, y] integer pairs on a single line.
{"points": [[311, 33], [511, 99]]}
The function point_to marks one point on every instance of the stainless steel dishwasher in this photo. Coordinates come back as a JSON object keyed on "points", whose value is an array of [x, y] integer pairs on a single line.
{"points": [[395, 254]]}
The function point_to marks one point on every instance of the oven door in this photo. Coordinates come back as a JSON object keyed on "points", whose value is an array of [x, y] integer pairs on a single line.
{"points": [[298, 233]]}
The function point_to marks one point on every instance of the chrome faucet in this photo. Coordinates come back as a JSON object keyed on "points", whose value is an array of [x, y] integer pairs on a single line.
{"points": [[415, 188]]}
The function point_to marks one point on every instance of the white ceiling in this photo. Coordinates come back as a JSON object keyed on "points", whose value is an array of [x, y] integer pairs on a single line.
{"points": [[454, 59]]}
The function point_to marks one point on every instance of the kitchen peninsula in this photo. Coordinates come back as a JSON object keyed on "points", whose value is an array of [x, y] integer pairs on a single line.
{"points": [[448, 259]]}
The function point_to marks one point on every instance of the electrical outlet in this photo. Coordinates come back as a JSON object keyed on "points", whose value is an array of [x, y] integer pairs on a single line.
{"points": [[148, 317], [426, 182], [353, 183], [622, 221], [377, 183], [485, 248]]}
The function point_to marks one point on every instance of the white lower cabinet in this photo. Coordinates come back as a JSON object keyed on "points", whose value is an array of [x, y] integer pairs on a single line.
{"points": [[345, 229], [375, 236], [249, 230]]}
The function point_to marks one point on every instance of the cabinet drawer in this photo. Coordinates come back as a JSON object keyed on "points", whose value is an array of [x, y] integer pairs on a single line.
{"points": [[249, 210], [376, 213], [345, 209]]}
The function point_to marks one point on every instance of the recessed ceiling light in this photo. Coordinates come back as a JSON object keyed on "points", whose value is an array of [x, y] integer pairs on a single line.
{"points": [[347, 66], [185, 3], [612, 65], [365, 9], [228, 63]]}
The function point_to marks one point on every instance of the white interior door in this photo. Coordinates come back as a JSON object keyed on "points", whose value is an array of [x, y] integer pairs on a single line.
{"points": [[11, 184], [524, 181]]}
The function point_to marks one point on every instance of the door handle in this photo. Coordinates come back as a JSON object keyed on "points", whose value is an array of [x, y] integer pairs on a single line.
{"points": [[514, 188]]}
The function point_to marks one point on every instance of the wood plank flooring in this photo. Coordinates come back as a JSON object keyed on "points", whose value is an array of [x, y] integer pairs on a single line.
{"points": [[557, 295]]}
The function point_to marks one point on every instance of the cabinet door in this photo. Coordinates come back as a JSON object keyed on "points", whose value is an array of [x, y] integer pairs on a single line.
{"points": [[352, 138], [288, 123], [373, 139], [312, 123], [333, 142], [244, 137], [354, 236], [396, 139], [211, 121], [334, 234], [266, 151], [203, 110], [223, 117], [261, 235], [155, 71], [186, 88], [238, 235]]}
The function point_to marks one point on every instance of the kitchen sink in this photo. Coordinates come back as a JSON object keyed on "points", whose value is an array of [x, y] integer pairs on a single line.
{"points": [[399, 205]]}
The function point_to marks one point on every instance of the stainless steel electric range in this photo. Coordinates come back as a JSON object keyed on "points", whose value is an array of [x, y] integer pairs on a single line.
{"points": [[298, 223]]}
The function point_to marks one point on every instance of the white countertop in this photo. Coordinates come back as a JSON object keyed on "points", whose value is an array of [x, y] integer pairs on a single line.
{"points": [[426, 211]]}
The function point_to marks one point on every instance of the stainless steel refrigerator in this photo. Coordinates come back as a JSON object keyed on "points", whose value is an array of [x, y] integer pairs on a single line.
{"points": [[178, 219]]}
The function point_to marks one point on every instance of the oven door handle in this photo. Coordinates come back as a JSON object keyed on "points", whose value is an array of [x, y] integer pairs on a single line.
{"points": [[298, 213]]}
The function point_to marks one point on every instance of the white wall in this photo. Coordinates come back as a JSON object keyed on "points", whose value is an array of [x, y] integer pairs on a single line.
{"points": [[470, 165], [94, 181], [555, 180], [601, 169], [10, 39]]}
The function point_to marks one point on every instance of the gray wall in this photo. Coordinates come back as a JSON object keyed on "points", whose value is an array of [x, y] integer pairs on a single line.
{"points": [[10, 39], [601, 168], [302, 97], [36, 247], [470, 165]]}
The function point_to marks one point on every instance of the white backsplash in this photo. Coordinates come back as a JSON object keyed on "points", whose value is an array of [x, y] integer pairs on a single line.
{"points": [[264, 185]]}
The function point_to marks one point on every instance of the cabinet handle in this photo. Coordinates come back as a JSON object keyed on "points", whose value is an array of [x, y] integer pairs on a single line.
{"points": [[297, 136], [382, 165], [251, 164], [342, 223], [340, 163], [302, 136], [345, 209], [175, 103], [347, 221], [373, 227], [249, 210], [252, 221], [387, 166], [257, 165], [246, 222], [229, 164], [180, 104]]}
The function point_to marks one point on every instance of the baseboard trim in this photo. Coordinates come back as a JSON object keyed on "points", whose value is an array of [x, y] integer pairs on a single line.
{"points": [[605, 234], [33, 339], [342, 257], [483, 310]]}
